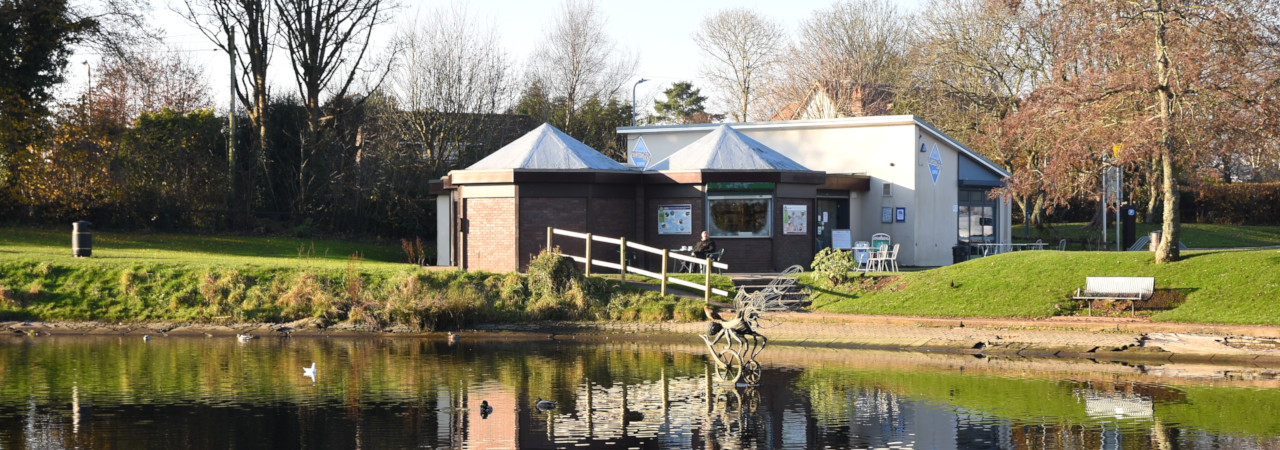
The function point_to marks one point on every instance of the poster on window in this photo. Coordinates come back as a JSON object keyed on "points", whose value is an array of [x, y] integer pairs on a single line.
{"points": [[795, 219], [675, 219]]}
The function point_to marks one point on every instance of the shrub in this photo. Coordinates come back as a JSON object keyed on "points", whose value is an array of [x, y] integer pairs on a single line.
{"points": [[1237, 204], [550, 274], [833, 266]]}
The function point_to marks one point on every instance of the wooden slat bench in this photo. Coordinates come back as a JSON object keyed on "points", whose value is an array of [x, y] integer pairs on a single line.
{"points": [[1134, 289]]}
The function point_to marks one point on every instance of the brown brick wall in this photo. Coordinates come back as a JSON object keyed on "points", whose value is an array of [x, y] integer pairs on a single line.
{"points": [[490, 236], [538, 213], [790, 249]]}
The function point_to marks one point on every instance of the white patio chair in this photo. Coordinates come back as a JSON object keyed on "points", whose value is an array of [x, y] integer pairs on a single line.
{"points": [[891, 262], [879, 259]]}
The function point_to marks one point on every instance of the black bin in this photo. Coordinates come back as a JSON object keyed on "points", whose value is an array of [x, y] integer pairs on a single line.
{"points": [[959, 253], [1128, 221], [81, 239]]}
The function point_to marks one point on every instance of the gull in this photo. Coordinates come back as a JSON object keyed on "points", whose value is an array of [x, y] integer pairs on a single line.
{"points": [[310, 372], [544, 405]]}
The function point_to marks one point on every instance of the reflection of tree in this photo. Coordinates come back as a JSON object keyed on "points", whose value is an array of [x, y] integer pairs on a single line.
{"points": [[733, 216]]}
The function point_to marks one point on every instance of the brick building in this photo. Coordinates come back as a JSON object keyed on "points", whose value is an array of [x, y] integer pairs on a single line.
{"points": [[757, 204]]}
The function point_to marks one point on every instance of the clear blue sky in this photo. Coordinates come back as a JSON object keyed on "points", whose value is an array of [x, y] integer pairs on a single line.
{"points": [[658, 31]]}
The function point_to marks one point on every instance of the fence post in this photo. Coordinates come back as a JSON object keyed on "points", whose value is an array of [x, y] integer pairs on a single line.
{"points": [[588, 267], [665, 254], [622, 258], [706, 294], [549, 231]]}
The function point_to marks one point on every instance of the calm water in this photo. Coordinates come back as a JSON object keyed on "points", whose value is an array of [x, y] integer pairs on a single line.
{"points": [[74, 392]]}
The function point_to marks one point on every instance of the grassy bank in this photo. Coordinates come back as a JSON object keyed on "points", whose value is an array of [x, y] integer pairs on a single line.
{"points": [[1194, 235], [233, 278], [1208, 286], [230, 279]]}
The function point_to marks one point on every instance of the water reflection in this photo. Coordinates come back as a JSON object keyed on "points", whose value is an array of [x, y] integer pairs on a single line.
{"points": [[397, 393]]}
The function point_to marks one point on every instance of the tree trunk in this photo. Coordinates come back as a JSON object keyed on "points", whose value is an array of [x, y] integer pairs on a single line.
{"points": [[1167, 251], [1153, 194], [1037, 210]]}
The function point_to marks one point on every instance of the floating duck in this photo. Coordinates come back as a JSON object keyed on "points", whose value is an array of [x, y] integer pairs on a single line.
{"points": [[544, 405], [146, 338], [310, 372], [244, 337], [485, 409], [453, 338]]}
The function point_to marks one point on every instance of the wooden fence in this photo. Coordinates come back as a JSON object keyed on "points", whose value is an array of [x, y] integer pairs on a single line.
{"points": [[624, 268]]}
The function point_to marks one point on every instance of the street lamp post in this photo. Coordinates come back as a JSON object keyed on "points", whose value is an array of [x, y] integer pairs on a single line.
{"points": [[633, 100], [88, 90]]}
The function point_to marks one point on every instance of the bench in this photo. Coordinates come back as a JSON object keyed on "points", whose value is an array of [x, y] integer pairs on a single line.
{"points": [[1116, 288]]}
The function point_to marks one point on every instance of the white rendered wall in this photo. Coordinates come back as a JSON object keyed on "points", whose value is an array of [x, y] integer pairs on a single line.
{"points": [[887, 151], [444, 229]]}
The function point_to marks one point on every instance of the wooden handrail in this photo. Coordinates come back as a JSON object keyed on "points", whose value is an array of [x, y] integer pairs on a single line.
{"points": [[623, 245]]}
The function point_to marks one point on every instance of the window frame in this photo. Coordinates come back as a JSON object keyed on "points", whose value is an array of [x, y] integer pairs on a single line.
{"points": [[710, 223]]}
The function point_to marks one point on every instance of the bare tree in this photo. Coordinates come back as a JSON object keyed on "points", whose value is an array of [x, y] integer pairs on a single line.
{"points": [[578, 61], [853, 52], [148, 82], [326, 40], [244, 29], [453, 75], [740, 46], [975, 62]]}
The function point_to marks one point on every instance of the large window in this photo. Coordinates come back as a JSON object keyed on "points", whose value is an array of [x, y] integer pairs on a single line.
{"points": [[740, 215], [976, 218]]}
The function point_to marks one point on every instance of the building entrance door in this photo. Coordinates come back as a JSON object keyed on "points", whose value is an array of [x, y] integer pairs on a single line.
{"points": [[833, 213]]}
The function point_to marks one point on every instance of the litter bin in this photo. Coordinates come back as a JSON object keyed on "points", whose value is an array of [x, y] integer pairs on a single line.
{"points": [[1155, 239], [81, 239], [959, 253]]}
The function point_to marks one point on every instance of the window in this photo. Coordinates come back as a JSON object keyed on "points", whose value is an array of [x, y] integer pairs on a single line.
{"points": [[740, 215], [976, 218]]}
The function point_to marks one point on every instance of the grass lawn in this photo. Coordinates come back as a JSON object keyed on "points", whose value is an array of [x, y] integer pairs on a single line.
{"points": [[1194, 235], [1207, 286], [219, 250]]}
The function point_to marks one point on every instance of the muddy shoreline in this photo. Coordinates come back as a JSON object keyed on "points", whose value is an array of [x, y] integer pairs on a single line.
{"points": [[1109, 339]]}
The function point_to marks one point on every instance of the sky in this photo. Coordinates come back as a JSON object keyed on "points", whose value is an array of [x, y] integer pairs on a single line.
{"points": [[658, 31]]}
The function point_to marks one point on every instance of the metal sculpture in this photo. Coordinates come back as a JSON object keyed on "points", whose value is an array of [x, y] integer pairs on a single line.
{"points": [[736, 360]]}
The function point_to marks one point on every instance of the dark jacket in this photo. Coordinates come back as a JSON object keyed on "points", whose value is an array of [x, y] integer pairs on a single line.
{"points": [[702, 248]]}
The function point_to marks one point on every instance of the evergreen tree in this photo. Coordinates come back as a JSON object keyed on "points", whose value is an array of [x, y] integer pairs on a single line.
{"points": [[684, 105]]}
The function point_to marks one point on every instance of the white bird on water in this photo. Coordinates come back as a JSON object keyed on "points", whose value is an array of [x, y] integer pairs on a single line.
{"points": [[310, 372], [244, 337]]}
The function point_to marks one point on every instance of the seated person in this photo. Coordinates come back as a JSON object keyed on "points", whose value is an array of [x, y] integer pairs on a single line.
{"points": [[704, 246]]}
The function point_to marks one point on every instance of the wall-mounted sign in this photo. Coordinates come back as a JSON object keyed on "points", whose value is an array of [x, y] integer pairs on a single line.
{"points": [[841, 239], [886, 214], [900, 214], [795, 219], [640, 154], [675, 219], [935, 164]]}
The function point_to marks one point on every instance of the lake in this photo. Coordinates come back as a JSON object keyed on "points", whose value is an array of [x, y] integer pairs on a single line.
{"points": [[398, 392]]}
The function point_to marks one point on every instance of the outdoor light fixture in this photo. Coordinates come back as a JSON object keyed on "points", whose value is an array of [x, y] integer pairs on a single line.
{"points": [[633, 100]]}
